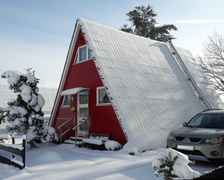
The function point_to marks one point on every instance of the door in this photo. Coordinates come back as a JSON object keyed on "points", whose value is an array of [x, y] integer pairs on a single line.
{"points": [[83, 113]]}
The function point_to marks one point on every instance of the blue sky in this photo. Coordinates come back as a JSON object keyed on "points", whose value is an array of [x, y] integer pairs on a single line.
{"points": [[36, 33]]}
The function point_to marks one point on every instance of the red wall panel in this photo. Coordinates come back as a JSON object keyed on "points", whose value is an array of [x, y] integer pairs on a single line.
{"points": [[103, 118]]}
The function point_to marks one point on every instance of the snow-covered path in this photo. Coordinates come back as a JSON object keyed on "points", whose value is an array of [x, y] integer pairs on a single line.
{"points": [[69, 162]]}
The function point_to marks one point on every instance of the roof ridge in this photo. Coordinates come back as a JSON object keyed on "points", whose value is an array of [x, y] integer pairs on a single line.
{"points": [[84, 20]]}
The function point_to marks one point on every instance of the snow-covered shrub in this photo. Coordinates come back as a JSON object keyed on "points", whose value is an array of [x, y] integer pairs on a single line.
{"points": [[170, 163], [111, 145], [24, 114], [50, 135]]}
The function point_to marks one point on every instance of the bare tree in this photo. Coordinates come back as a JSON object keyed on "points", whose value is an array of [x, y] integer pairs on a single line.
{"points": [[212, 63]]}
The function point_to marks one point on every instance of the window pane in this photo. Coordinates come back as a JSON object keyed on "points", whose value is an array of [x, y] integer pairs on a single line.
{"points": [[196, 121], [82, 53], [83, 126], [66, 100], [89, 53], [212, 121], [220, 123], [215, 121], [83, 97], [83, 113], [103, 98]]}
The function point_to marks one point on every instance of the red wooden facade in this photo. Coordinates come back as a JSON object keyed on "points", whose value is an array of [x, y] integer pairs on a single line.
{"points": [[102, 119]]}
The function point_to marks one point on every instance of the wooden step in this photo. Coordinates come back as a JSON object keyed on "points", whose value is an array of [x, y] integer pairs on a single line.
{"points": [[73, 140], [86, 142], [76, 138]]}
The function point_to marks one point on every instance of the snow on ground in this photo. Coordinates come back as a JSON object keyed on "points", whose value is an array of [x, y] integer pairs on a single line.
{"points": [[66, 161], [69, 162]]}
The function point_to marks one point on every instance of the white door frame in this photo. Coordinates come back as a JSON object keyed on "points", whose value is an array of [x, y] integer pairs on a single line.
{"points": [[80, 119]]}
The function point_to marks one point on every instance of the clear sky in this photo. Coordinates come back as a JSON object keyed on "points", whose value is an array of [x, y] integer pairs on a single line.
{"points": [[36, 33]]}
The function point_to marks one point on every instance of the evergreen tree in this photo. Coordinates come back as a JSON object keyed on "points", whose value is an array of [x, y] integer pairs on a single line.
{"points": [[24, 114], [143, 23]]}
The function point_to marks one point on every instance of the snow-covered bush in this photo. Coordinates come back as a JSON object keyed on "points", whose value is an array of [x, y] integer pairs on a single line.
{"points": [[24, 114], [50, 135], [111, 145], [170, 163]]}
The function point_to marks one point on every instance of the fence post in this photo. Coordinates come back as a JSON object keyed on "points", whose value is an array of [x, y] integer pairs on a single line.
{"points": [[13, 140], [24, 153]]}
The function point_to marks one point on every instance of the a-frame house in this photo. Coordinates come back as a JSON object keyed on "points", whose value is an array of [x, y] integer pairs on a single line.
{"points": [[130, 88]]}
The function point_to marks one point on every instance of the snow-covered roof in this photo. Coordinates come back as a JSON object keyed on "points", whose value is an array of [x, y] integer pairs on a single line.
{"points": [[150, 94]]}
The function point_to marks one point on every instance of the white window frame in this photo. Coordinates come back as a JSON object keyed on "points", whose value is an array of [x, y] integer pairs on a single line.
{"points": [[77, 54], [66, 105], [97, 97]]}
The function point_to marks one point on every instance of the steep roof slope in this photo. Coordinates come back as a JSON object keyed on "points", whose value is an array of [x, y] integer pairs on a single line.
{"points": [[150, 94]]}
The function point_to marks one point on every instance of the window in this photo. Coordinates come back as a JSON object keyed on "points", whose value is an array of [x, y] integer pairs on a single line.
{"points": [[207, 120], [102, 97], [90, 53], [66, 101], [83, 54], [83, 97]]}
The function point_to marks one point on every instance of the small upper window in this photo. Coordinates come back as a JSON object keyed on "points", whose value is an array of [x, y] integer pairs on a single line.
{"points": [[102, 97], [83, 54], [66, 101]]}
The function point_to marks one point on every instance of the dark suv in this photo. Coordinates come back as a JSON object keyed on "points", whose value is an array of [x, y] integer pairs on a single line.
{"points": [[202, 137]]}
